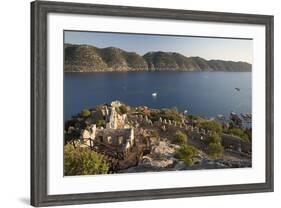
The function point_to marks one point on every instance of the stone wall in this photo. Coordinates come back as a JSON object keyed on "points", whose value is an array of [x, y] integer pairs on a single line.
{"points": [[168, 125]]}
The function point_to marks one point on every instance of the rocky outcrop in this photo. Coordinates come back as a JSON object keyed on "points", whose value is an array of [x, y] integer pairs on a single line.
{"points": [[177, 165], [161, 158], [87, 58]]}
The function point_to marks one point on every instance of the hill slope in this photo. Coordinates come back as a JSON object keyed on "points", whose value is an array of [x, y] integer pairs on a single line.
{"points": [[86, 58]]}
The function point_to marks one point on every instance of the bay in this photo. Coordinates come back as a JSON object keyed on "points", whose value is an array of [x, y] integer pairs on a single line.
{"points": [[200, 93]]}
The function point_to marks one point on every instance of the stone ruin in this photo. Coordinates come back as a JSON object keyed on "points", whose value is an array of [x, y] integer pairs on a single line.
{"points": [[115, 137]]}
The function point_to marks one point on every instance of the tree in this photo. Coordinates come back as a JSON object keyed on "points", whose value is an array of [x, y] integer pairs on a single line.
{"points": [[85, 113], [215, 150], [180, 137], [83, 161], [186, 153]]}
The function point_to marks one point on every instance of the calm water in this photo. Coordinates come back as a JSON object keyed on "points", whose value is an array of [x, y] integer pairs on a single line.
{"points": [[201, 93]]}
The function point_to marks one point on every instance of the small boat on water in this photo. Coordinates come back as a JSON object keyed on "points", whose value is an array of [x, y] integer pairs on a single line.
{"points": [[154, 94], [234, 117], [185, 111], [244, 116], [249, 115], [236, 88], [220, 116]]}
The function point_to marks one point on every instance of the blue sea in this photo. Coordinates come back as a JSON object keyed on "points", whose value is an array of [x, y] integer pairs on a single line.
{"points": [[200, 93]]}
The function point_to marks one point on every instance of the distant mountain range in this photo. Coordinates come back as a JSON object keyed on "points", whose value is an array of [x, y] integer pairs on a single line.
{"points": [[88, 58]]}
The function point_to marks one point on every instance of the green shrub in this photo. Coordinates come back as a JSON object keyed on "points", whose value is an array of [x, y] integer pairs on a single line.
{"points": [[240, 133], [249, 133], [180, 137], [188, 161], [215, 150], [85, 113], [212, 126], [168, 114], [186, 153], [155, 134], [100, 123], [215, 138], [83, 161], [192, 117]]}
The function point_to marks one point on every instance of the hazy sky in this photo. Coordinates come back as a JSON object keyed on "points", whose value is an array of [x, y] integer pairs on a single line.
{"points": [[207, 48]]}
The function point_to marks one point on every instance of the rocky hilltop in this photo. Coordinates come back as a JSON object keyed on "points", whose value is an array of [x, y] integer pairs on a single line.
{"points": [[140, 139], [88, 58]]}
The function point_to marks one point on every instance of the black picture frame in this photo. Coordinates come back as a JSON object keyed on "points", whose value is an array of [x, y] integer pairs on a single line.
{"points": [[39, 98]]}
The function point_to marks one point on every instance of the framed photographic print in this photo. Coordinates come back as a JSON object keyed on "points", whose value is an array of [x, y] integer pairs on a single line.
{"points": [[133, 103]]}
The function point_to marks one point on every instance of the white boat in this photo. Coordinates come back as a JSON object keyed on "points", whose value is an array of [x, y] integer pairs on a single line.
{"points": [[185, 111], [220, 116], [154, 94]]}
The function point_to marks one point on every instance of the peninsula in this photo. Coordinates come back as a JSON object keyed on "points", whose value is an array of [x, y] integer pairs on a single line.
{"points": [[118, 138]]}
